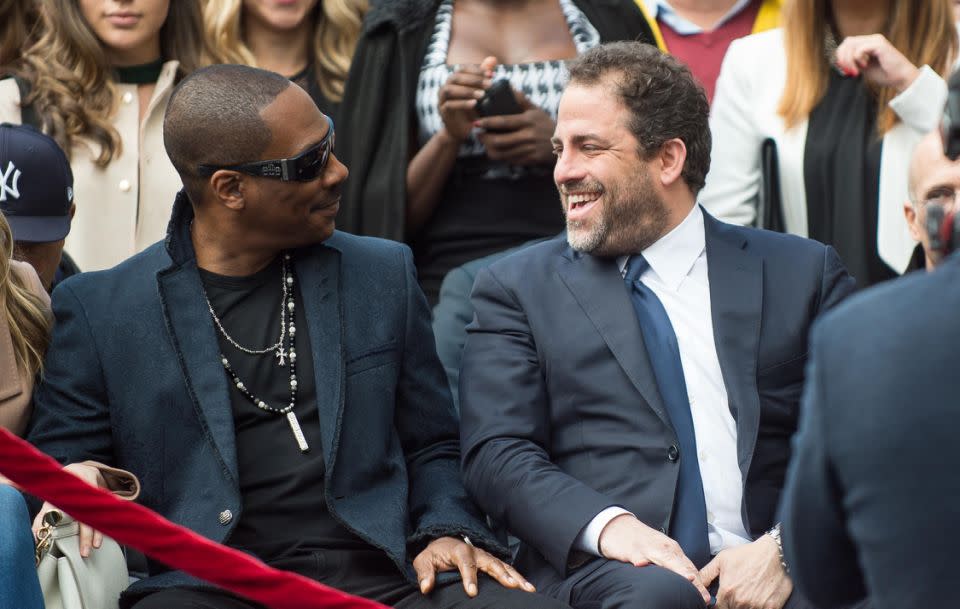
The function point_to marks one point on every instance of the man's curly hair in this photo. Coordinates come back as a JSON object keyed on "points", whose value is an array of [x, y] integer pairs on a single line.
{"points": [[664, 99]]}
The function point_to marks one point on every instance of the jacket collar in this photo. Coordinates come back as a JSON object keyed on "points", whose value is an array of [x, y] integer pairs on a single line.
{"points": [[178, 244], [736, 303], [194, 337]]}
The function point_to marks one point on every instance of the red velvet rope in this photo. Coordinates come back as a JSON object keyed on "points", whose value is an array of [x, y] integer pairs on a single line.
{"points": [[173, 545]]}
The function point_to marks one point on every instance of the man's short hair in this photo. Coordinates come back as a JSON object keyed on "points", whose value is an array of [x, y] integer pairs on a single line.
{"points": [[213, 118], [664, 99]]}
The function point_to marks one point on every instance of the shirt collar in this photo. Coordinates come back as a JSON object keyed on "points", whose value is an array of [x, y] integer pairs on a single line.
{"points": [[672, 256], [661, 9]]}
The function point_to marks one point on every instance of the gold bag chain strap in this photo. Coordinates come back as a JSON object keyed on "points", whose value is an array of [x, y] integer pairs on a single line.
{"points": [[45, 535]]}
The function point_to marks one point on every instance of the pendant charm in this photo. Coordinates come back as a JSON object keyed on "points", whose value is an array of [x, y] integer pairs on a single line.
{"points": [[297, 432], [281, 357]]}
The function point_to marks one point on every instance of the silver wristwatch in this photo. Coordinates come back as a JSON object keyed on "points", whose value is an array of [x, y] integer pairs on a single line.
{"points": [[775, 534]]}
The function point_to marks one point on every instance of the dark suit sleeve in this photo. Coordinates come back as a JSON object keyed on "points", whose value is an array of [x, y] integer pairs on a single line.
{"points": [[71, 417], [836, 282], [822, 557], [505, 431], [427, 427]]}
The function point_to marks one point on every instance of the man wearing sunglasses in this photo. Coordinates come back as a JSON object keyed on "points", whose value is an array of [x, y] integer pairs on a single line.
{"points": [[272, 383]]}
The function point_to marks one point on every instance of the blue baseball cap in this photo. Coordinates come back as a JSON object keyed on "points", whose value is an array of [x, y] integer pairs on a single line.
{"points": [[36, 184]]}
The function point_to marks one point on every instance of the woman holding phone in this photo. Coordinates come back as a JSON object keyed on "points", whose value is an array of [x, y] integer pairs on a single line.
{"points": [[454, 184]]}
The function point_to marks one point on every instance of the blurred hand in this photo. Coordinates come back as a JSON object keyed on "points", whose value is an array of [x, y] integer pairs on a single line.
{"points": [[447, 553], [519, 139], [878, 60], [751, 576], [459, 95], [88, 537], [628, 540]]}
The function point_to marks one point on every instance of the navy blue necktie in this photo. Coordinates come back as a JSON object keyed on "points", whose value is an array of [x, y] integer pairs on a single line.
{"points": [[689, 524]]}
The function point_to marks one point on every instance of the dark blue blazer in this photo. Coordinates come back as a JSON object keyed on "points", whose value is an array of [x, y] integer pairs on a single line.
{"points": [[133, 379], [560, 412], [873, 496]]}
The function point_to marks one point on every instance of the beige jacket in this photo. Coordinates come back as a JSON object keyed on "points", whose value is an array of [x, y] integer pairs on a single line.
{"points": [[16, 388], [124, 207]]}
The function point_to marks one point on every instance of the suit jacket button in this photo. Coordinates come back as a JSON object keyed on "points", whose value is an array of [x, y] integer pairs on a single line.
{"points": [[673, 453], [225, 517]]}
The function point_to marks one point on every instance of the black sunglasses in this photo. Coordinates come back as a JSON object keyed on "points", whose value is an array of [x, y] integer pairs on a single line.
{"points": [[304, 167]]}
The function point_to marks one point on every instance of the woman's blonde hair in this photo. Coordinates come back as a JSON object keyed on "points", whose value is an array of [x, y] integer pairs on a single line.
{"points": [[923, 30], [21, 310], [337, 25], [71, 82], [17, 22]]}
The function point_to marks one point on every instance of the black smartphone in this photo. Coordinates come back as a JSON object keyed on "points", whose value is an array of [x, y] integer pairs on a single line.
{"points": [[498, 100]]}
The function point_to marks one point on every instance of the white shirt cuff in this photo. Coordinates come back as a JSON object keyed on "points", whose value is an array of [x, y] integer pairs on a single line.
{"points": [[589, 538]]}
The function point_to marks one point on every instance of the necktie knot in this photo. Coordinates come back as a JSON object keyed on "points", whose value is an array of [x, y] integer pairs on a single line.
{"points": [[637, 265]]}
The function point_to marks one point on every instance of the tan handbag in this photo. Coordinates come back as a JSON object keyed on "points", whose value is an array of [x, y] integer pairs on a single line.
{"points": [[69, 581]]}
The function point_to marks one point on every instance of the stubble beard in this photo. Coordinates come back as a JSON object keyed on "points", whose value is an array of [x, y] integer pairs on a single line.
{"points": [[632, 218]]}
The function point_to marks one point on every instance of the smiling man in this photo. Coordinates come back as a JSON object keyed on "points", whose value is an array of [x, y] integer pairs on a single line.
{"points": [[272, 383], [628, 391]]}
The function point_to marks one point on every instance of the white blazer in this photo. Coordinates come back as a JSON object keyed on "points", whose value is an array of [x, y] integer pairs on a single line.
{"points": [[744, 114]]}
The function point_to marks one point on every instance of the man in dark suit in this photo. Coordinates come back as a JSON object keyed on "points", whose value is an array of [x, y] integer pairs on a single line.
{"points": [[272, 383], [870, 506], [628, 394]]}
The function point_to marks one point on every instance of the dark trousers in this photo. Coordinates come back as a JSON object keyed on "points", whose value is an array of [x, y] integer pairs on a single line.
{"points": [[608, 584], [368, 574]]}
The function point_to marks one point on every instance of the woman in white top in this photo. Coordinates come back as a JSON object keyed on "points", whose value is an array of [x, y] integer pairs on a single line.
{"points": [[865, 83], [97, 80]]}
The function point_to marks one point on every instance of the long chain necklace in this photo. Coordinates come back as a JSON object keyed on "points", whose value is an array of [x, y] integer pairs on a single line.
{"points": [[278, 346], [287, 357]]}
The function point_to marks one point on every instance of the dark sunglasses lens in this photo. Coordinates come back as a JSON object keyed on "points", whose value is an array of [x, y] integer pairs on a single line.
{"points": [[312, 163]]}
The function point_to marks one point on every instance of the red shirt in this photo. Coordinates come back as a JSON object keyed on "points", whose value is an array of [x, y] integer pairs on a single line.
{"points": [[703, 53]]}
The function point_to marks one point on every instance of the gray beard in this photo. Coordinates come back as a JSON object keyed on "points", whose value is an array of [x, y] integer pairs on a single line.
{"points": [[632, 223], [587, 241]]}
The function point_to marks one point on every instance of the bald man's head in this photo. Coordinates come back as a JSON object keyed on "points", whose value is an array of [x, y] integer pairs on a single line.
{"points": [[927, 153], [933, 181], [214, 118]]}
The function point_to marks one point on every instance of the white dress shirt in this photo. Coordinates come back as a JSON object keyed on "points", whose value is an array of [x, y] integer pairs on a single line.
{"points": [[678, 276], [661, 9]]}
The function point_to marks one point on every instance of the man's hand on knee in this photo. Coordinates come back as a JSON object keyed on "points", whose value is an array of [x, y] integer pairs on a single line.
{"points": [[751, 576], [628, 540], [447, 554]]}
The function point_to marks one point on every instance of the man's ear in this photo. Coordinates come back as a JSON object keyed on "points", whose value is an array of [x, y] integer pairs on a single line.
{"points": [[910, 213], [229, 188], [73, 210], [673, 156]]}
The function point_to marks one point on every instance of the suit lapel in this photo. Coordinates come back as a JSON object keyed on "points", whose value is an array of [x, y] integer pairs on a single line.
{"points": [[195, 341], [736, 302], [597, 285], [318, 274]]}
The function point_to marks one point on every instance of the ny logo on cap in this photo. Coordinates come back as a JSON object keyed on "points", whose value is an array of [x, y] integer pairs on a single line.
{"points": [[5, 186]]}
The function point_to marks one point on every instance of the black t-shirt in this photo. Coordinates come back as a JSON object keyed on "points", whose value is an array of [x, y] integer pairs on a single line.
{"points": [[284, 509]]}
